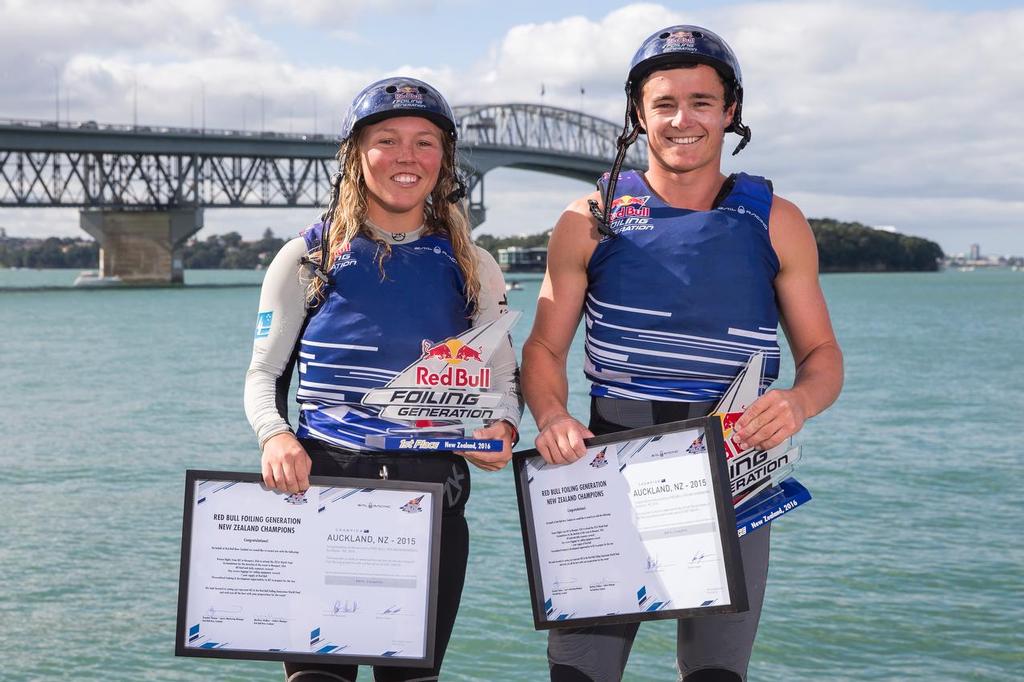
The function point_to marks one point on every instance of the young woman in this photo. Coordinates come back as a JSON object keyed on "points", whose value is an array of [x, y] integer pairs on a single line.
{"points": [[390, 266]]}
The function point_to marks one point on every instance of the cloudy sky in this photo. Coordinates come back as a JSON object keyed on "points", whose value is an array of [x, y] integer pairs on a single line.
{"points": [[896, 113]]}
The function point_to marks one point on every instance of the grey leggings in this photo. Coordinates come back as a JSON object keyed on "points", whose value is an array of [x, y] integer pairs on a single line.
{"points": [[720, 645], [721, 642]]}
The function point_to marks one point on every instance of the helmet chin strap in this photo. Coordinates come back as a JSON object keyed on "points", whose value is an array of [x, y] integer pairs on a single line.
{"points": [[744, 133], [626, 138], [320, 269], [459, 193]]}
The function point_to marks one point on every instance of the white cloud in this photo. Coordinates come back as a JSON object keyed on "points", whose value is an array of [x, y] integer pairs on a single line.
{"points": [[98, 49], [236, 92], [890, 113], [336, 11], [171, 27], [887, 100], [572, 52], [873, 108]]}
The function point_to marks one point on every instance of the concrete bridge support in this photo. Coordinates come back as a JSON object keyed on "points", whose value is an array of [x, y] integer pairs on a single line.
{"points": [[142, 247], [475, 191]]}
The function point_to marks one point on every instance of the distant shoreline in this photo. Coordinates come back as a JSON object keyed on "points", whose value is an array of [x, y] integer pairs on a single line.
{"points": [[535, 273], [127, 287], [842, 248]]}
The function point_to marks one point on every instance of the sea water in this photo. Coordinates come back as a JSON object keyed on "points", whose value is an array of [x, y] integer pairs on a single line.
{"points": [[906, 565]]}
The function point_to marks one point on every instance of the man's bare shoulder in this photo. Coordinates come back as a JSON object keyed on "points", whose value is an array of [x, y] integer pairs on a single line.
{"points": [[577, 214], [786, 215], [575, 235], [791, 234]]}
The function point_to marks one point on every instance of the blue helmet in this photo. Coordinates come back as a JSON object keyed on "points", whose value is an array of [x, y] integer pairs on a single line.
{"points": [[679, 45], [399, 96]]}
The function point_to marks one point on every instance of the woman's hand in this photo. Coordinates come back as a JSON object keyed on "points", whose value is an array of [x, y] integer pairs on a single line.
{"points": [[493, 461], [285, 464]]}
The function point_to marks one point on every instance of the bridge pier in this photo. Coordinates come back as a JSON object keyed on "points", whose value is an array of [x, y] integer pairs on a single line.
{"points": [[475, 191], [142, 247]]}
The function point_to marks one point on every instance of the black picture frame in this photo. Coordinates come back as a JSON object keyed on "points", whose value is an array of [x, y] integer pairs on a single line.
{"points": [[434, 490], [712, 428]]}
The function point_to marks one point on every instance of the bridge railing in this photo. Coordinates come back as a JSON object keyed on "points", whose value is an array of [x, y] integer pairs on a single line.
{"points": [[536, 126], [42, 125], [46, 163]]}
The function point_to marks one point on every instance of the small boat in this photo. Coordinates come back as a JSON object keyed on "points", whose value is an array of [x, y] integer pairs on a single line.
{"points": [[92, 278], [513, 285]]}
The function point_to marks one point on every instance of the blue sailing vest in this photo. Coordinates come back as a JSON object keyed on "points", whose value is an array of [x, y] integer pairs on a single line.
{"points": [[370, 326], [681, 299]]}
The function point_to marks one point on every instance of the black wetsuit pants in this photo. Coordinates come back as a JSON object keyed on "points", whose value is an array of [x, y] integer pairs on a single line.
{"points": [[446, 468]]}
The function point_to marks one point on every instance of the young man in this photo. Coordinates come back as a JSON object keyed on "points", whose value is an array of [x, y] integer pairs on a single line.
{"points": [[682, 273]]}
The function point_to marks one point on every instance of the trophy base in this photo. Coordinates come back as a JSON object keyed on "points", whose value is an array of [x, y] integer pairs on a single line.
{"points": [[767, 506], [417, 444]]}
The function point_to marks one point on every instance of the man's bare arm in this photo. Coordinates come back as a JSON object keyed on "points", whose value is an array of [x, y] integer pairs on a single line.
{"points": [[559, 307], [780, 413]]}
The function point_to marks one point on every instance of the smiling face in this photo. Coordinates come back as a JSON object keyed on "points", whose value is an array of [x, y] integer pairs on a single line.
{"points": [[401, 159], [684, 114]]}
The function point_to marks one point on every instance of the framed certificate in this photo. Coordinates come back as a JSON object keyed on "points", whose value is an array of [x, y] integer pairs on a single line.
{"points": [[641, 528], [347, 570]]}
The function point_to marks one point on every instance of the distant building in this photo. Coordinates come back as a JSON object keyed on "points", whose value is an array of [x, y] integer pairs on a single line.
{"points": [[523, 258], [975, 252]]}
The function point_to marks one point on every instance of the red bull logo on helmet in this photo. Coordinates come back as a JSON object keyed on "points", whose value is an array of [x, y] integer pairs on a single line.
{"points": [[679, 40], [408, 95], [454, 352]]}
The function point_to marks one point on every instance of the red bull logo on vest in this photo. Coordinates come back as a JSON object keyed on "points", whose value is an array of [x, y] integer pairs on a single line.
{"points": [[628, 206]]}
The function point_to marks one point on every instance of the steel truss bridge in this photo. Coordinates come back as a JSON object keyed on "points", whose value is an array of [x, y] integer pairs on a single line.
{"points": [[146, 168]]}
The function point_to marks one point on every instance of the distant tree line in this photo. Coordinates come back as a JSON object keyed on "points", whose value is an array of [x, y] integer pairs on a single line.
{"points": [[842, 247], [224, 251], [229, 252], [492, 244], [852, 247], [54, 252]]}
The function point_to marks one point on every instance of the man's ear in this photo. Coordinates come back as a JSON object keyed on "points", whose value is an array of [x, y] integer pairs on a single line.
{"points": [[730, 113], [639, 108]]}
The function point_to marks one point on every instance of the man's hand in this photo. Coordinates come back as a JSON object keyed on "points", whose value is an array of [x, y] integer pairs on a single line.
{"points": [[492, 461], [773, 418], [561, 440], [285, 464]]}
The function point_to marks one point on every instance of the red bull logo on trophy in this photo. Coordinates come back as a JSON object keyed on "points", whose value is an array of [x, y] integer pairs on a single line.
{"points": [[454, 352], [729, 420]]}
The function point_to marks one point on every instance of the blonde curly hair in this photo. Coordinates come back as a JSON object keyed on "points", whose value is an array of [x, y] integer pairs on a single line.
{"points": [[441, 216]]}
